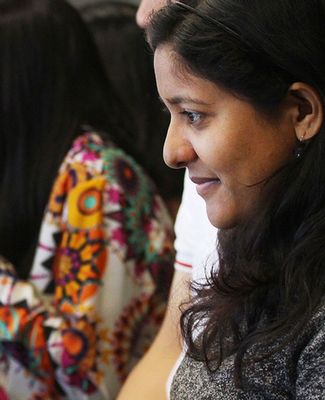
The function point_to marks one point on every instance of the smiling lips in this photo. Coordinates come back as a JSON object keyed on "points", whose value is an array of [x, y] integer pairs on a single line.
{"points": [[204, 185]]}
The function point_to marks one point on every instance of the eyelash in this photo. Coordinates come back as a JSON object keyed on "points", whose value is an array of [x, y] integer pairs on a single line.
{"points": [[190, 114], [187, 115]]}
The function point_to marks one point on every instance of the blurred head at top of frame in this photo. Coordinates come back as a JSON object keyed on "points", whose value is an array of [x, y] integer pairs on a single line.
{"points": [[146, 9], [244, 84]]}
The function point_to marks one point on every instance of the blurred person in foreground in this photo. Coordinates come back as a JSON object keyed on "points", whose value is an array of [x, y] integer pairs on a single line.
{"points": [[85, 240]]}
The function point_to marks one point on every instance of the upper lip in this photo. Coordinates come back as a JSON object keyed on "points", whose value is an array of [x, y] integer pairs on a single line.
{"points": [[200, 180]]}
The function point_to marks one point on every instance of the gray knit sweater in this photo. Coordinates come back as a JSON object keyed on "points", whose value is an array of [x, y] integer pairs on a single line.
{"points": [[295, 372]]}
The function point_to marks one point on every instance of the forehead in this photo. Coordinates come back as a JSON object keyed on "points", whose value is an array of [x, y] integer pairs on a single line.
{"points": [[175, 79]]}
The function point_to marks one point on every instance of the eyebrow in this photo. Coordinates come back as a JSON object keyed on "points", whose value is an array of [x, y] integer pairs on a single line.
{"points": [[182, 100]]}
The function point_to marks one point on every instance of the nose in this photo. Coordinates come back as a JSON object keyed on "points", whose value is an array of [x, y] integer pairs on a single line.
{"points": [[178, 151]]}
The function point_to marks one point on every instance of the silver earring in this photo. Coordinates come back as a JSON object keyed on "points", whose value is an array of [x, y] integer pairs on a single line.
{"points": [[302, 137], [299, 151]]}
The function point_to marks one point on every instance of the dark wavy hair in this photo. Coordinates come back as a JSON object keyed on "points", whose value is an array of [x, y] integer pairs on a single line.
{"points": [[51, 82], [272, 267]]}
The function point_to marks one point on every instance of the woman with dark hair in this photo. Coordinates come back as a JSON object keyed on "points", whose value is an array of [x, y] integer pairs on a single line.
{"points": [[85, 240], [130, 71], [244, 84]]}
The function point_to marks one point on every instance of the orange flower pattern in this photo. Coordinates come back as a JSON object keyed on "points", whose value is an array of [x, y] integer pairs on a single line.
{"points": [[98, 286]]}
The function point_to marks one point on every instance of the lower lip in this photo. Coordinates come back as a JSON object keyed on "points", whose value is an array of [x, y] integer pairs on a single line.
{"points": [[204, 188]]}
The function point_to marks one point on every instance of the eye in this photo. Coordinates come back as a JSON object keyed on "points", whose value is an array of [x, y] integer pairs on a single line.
{"points": [[194, 117]]}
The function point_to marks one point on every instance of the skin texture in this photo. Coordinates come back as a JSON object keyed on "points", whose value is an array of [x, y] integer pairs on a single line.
{"points": [[229, 148]]}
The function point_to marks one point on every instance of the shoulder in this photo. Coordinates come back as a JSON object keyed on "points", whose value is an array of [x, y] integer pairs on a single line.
{"points": [[311, 363], [98, 155], [314, 333], [94, 162], [99, 183], [80, 176]]}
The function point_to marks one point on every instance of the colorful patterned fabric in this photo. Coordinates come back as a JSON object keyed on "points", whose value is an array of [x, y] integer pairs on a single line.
{"points": [[98, 286]]}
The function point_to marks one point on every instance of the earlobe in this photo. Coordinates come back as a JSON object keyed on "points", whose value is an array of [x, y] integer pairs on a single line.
{"points": [[309, 110]]}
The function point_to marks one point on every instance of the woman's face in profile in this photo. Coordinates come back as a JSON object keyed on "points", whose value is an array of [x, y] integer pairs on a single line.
{"points": [[228, 146]]}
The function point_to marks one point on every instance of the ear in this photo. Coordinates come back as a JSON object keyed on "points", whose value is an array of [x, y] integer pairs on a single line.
{"points": [[307, 110]]}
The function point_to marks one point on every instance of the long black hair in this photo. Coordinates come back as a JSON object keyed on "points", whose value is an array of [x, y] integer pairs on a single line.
{"points": [[272, 267], [51, 82]]}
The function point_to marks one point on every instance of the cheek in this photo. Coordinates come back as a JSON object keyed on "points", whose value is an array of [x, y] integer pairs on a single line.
{"points": [[230, 204], [252, 161], [266, 159], [223, 154]]}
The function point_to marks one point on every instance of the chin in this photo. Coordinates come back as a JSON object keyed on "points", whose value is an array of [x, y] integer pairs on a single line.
{"points": [[221, 220]]}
